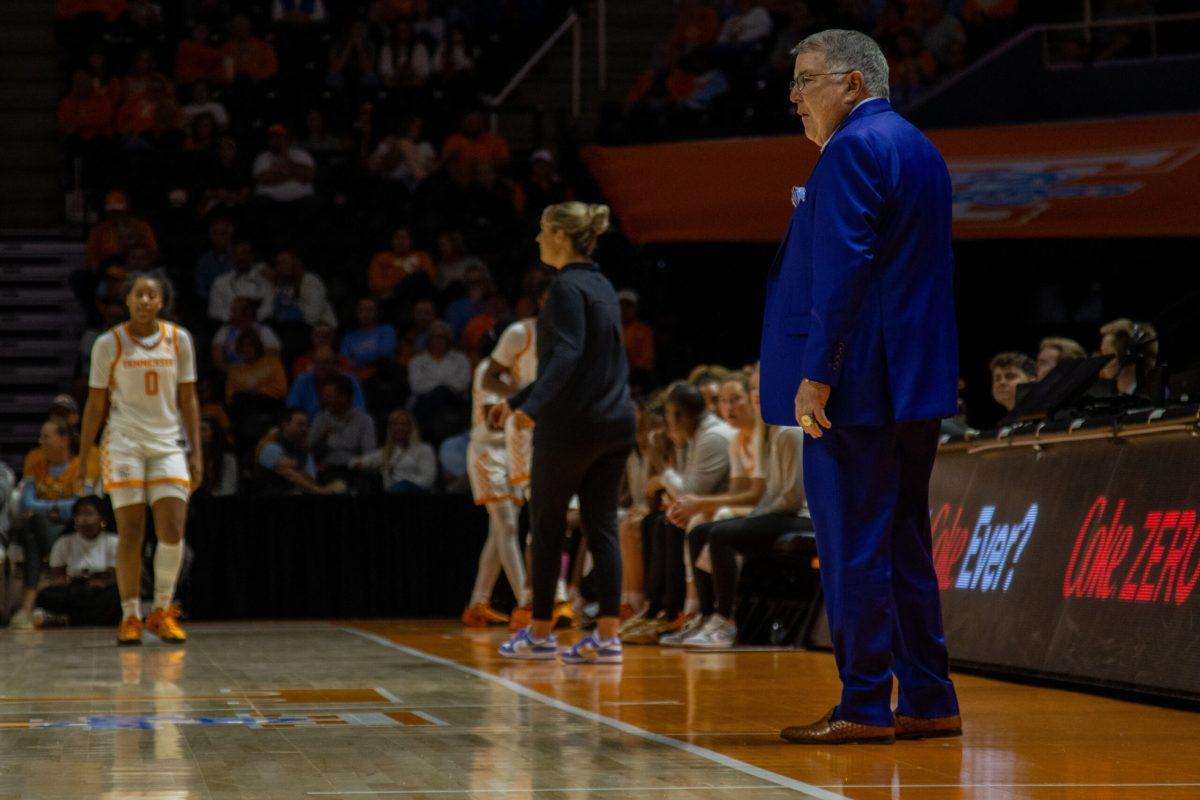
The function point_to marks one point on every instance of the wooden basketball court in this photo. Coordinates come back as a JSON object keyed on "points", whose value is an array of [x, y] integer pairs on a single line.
{"points": [[424, 709]]}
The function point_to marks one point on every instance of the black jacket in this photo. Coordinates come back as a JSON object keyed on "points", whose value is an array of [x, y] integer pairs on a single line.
{"points": [[582, 386]]}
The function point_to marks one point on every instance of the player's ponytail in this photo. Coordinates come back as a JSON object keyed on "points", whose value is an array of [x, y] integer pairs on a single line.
{"points": [[582, 222]]}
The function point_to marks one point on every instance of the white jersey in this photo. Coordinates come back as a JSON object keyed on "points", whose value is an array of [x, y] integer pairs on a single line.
{"points": [[481, 400], [142, 377], [516, 351]]}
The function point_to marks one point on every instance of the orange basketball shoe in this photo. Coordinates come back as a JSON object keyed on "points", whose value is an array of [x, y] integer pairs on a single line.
{"points": [[521, 618], [164, 625], [480, 615], [130, 632]]}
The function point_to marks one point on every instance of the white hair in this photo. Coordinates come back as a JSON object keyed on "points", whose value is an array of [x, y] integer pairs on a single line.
{"points": [[849, 51]]}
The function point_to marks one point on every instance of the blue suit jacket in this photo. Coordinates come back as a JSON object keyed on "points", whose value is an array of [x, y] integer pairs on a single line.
{"points": [[860, 294]]}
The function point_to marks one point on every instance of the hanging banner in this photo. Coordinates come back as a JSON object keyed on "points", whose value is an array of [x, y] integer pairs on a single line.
{"points": [[1129, 177]]}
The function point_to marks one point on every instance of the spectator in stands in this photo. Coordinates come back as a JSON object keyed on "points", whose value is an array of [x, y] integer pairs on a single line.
{"points": [[64, 407], [941, 33], [299, 296], [542, 187], [417, 336], [426, 24], [1127, 342], [202, 139], [533, 283], [1009, 370], [149, 117], [453, 259], [322, 335], [913, 67], [405, 60], [257, 378], [217, 260], [372, 345], [306, 389], [700, 467], [781, 510], [202, 103], [473, 144], [401, 268], [224, 185], [708, 380], [646, 461], [197, 60], [989, 21], [46, 499], [452, 456], [405, 464], [111, 310], [83, 571], [220, 465], [747, 26], [117, 232], [340, 432], [251, 58], [225, 351], [477, 282], [142, 70], [285, 465], [454, 58], [146, 19], [84, 114], [405, 156], [439, 379], [353, 60], [696, 27], [283, 174], [639, 338], [247, 280], [1056, 349]]}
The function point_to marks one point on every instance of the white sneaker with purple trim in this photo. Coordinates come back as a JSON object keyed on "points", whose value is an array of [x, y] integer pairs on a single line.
{"points": [[591, 649], [525, 646]]}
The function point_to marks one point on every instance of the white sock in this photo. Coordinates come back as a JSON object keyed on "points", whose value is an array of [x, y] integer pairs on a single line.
{"points": [[167, 558], [526, 598], [560, 592], [637, 600], [131, 608], [691, 605]]}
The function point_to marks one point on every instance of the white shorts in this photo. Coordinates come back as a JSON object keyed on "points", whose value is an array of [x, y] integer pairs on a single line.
{"points": [[142, 469], [487, 469]]}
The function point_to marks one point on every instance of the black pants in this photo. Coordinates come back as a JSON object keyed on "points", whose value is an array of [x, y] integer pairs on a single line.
{"points": [[594, 472], [82, 603], [37, 536], [666, 580], [717, 590]]}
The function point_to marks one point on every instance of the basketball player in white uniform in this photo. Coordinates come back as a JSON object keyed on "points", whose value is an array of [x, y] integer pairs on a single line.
{"points": [[488, 471], [142, 389]]}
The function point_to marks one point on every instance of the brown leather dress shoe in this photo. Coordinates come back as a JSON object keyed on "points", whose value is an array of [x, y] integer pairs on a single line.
{"points": [[928, 728], [828, 730]]}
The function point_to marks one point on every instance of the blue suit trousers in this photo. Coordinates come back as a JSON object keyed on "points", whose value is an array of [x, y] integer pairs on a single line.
{"points": [[868, 493]]}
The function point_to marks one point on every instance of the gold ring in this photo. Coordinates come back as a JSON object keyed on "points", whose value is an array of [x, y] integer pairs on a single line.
{"points": [[806, 420]]}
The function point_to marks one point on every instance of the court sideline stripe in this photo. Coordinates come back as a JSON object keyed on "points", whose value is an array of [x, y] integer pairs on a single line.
{"points": [[703, 752]]}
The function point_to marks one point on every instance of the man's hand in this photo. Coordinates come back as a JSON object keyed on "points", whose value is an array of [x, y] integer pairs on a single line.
{"points": [[811, 398]]}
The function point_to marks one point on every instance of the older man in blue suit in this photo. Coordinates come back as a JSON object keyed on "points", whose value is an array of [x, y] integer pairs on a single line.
{"points": [[859, 347]]}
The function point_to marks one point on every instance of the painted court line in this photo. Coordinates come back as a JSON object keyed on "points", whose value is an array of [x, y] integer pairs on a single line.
{"points": [[569, 790], [387, 695], [718, 758]]}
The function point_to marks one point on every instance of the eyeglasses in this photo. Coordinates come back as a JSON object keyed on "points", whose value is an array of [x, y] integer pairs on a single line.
{"points": [[800, 85]]}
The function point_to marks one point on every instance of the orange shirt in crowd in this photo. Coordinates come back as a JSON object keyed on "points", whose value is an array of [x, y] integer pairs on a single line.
{"points": [[111, 10], [476, 328], [48, 487], [106, 240], [141, 114], [86, 117], [487, 148], [265, 377], [388, 270], [196, 62], [695, 28], [253, 58], [639, 345]]}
